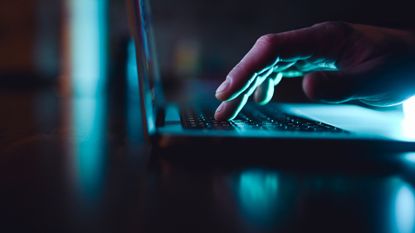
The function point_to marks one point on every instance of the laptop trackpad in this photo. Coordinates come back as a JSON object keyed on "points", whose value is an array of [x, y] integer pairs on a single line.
{"points": [[351, 117]]}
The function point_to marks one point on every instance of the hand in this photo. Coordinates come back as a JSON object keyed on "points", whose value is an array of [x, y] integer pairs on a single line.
{"points": [[339, 61]]}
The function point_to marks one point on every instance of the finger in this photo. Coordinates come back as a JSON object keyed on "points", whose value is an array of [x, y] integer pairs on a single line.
{"points": [[292, 73], [252, 83], [230, 109], [320, 40], [277, 78], [315, 64], [264, 93]]}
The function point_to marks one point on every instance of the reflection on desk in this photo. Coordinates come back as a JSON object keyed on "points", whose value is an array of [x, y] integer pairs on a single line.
{"points": [[76, 165]]}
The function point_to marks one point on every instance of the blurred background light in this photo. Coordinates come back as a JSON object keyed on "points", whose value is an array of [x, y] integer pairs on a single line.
{"points": [[258, 192], [88, 146], [409, 108], [409, 157], [408, 122], [87, 29], [132, 72], [134, 122], [403, 218], [87, 52]]}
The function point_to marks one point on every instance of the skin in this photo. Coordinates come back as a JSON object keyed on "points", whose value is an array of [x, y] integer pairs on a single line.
{"points": [[339, 62]]}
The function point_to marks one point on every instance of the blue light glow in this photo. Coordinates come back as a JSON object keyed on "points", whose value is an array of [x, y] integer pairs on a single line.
{"points": [[87, 23], [89, 149], [132, 73], [404, 218], [408, 122], [410, 157], [134, 126], [88, 60], [258, 192], [409, 108]]}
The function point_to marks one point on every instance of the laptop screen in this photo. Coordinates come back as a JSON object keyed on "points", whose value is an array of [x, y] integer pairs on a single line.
{"points": [[147, 67]]}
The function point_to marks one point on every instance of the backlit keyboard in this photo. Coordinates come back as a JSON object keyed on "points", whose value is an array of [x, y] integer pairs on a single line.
{"points": [[254, 118]]}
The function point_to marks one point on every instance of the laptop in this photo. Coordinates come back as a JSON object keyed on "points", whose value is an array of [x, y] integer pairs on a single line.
{"points": [[192, 129]]}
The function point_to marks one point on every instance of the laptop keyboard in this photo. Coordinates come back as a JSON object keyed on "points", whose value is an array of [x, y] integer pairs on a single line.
{"points": [[254, 118]]}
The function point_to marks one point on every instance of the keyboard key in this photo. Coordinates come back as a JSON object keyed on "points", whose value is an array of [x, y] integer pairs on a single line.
{"points": [[254, 118]]}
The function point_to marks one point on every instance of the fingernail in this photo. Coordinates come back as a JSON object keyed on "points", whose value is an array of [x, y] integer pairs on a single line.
{"points": [[220, 108], [223, 86]]}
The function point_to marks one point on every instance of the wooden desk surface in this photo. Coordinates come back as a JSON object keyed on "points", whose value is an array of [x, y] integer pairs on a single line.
{"points": [[81, 165]]}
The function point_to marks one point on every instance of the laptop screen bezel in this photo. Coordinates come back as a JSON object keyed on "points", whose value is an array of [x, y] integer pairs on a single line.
{"points": [[151, 95]]}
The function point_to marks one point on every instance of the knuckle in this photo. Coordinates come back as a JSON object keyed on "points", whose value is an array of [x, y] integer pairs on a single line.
{"points": [[266, 40], [336, 27]]}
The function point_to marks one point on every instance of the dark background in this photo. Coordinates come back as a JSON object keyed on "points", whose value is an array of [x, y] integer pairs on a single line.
{"points": [[213, 33], [81, 164], [225, 30]]}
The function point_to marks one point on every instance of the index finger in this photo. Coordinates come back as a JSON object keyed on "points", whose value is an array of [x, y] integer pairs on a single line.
{"points": [[321, 40]]}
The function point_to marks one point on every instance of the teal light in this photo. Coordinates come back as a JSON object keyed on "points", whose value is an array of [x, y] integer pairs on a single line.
{"points": [[134, 126], [132, 73], [258, 192], [404, 212], [88, 49], [409, 157], [87, 22], [409, 108], [292, 74], [287, 68], [408, 122], [89, 148]]}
